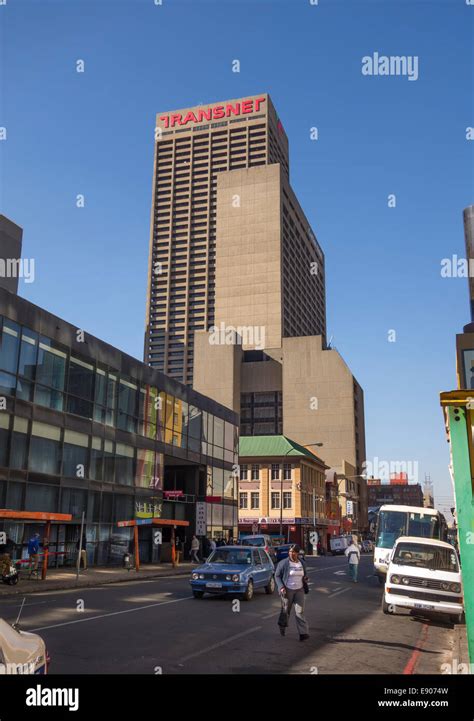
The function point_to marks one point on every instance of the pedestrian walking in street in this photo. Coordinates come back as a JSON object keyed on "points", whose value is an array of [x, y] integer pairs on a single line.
{"points": [[292, 582], [195, 550], [353, 555], [33, 553]]}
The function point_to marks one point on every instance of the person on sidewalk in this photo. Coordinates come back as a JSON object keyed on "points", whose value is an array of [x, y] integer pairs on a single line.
{"points": [[353, 555], [82, 549], [33, 553], [7, 550], [178, 547], [195, 550], [292, 582], [213, 545]]}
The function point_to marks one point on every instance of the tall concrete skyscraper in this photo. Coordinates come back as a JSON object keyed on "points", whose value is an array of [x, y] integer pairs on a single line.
{"points": [[209, 160], [236, 287]]}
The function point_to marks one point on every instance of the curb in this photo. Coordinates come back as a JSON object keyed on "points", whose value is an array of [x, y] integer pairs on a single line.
{"points": [[91, 584], [460, 651]]}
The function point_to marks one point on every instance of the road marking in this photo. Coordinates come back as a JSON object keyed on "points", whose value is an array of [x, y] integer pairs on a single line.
{"points": [[29, 605], [221, 643], [410, 667], [114, 613], [327, 568], [338, 593], [273, 613], [340, 573]]}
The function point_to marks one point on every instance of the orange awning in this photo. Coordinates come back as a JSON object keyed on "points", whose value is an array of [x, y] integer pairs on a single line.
{"points": [[153, 522], [34, 515]]}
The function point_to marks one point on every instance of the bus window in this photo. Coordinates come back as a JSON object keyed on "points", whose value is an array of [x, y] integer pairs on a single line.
{"points": [[422, 526], [391, 525]]}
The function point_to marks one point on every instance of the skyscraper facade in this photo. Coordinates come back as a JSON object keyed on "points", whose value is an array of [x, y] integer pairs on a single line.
{"points": [[208, 161]]}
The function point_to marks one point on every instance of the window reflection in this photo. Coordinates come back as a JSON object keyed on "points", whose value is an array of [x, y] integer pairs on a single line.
{"points": [[45, 450], [9, 345]]}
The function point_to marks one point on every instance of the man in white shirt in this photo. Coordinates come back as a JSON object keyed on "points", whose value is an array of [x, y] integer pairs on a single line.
{"points": [[353, 554]]}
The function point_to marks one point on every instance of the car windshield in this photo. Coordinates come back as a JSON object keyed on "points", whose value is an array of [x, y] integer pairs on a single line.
{"points": [[435, 558], [231, 556], [253, 542]]}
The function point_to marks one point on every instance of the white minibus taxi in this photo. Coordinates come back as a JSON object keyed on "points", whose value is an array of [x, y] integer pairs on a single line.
{"points": [[424, 575]]}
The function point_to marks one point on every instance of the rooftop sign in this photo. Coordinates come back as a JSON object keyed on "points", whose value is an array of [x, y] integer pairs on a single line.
{"points": [[215, 112]]}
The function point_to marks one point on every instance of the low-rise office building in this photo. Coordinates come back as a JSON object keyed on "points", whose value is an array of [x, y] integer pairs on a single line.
{"points": [[281, 489], [85, 428], [400, 493]]}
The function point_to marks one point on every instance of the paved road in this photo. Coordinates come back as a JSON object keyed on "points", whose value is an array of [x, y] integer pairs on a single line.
{"points": [[157, 626]]}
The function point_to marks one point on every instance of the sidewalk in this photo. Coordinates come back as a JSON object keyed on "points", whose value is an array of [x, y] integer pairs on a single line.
{"points": [[65, 578]]}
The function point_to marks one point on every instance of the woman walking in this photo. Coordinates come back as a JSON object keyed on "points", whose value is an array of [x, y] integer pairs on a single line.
{"points": [[292, 583]]}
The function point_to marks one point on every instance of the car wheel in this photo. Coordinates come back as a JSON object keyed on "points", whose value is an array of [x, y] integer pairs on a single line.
{"points": [[457, 619], [198, 594], [381, 579], [386, 607], [271, 586], [248, 595]]}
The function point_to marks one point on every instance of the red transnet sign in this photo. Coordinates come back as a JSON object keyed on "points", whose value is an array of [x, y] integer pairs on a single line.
{"points": [[215, 112]]}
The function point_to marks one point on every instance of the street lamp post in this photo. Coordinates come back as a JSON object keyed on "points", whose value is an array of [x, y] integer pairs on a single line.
{"points": [[281, 489], [348, 495]]}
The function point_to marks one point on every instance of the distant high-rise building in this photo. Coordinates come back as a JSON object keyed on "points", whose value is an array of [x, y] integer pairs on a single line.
{"points": [[236, 302], [210, 160]]}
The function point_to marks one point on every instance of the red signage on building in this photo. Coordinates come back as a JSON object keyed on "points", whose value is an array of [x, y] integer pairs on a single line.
{"points": [[216, 112], [171, 494], [213, 499]]}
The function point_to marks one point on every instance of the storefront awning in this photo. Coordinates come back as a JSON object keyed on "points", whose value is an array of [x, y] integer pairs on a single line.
{"points": [[152, 522], [34, 515]]}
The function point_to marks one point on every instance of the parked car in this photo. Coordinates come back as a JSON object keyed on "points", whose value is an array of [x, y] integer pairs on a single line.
{"points": [[424, 575], [283, 550], [238, 570], [261, 540], [21, 652]]}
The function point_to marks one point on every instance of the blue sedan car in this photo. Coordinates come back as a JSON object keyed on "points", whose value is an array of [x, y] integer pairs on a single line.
{"points": [[238, 570]]}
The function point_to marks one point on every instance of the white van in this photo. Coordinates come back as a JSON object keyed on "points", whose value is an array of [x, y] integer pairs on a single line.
{"points": [[338, 544], [424, 575], [21, 652]]}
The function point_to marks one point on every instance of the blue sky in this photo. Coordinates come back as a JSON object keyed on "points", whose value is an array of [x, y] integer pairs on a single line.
{"points": [[92, 133]]}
